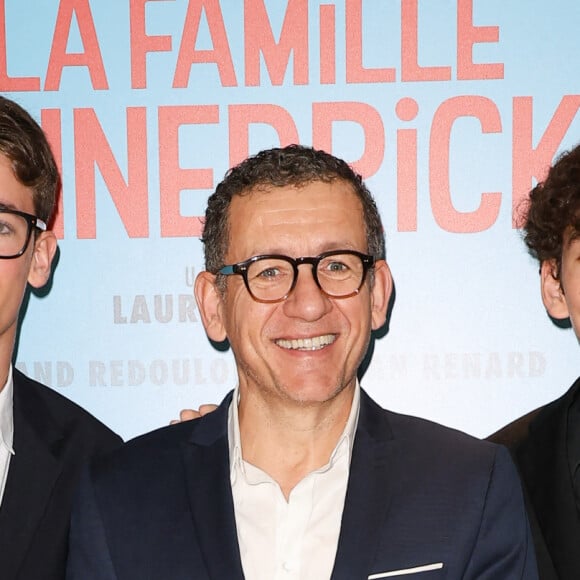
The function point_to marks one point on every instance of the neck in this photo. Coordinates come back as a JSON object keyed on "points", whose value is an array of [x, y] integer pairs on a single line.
{"points": [[289, 441]]}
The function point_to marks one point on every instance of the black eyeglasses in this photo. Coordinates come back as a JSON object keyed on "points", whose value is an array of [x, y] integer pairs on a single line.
{"points": [[272, 277], [15, 229]]}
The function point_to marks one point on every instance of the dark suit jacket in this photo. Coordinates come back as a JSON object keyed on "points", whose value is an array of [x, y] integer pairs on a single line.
{"points": [[161, 507], [538, 444], [53, 438]]}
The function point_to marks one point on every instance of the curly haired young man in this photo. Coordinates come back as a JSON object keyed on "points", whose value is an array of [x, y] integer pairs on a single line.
{"points": [[546, 442]]}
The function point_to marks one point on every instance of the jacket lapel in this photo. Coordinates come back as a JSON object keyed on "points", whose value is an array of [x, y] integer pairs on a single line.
{"points": [[369, 494], [206, 459], [544, 465], [32, 474]]}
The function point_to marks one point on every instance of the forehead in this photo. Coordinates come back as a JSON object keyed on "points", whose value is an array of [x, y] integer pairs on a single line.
{"points": [[297, 219], [13, 194]]}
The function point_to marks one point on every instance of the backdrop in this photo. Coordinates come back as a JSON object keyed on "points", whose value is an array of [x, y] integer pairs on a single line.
{"points": [[451, 109]]}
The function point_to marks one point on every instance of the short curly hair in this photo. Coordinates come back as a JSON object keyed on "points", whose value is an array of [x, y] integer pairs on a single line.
{"points": [[26, 147], [295, 165], [553, 210]]}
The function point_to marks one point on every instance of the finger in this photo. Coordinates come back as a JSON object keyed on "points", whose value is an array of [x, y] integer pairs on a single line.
{"points": [[189, 414]]}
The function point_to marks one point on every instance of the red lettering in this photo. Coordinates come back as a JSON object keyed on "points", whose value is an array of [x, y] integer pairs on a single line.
{"points": [[327, 45], [91, 57], [467, 36], [8, 83], [92, 148], [325, 114], [242, 116], [142, 43], [530, 162], [51, 125], [446, 216], [220, 54], [410, 69], [172, 178], [259, 39], [407, 110], [355, 72]]}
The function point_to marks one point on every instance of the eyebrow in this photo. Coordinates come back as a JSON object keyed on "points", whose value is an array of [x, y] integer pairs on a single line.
{"points": [[324, 248], [9, 206]]}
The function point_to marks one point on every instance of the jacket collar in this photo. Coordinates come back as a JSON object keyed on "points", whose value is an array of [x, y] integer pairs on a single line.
{"points": [[370, 490], [33, 472], [369, 493], [206, 461], [543, 461], [7, 414]]}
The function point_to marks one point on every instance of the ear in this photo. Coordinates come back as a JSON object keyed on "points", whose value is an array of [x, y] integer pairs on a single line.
{"points": [[381, 293], [42, 256], [552, 293], [210, 305]]}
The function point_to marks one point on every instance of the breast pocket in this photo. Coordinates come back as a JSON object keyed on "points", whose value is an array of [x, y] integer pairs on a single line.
{"points": [[424, 572]]}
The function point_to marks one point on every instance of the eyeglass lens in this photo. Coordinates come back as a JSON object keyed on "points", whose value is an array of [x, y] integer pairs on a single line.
{"points": [[14, 232]]}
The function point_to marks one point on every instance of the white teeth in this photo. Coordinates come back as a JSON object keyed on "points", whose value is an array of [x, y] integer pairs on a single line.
{"points": [[314, 343]]}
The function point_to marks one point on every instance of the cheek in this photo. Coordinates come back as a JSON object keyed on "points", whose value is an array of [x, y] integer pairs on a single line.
{"points": [[12, 286], [14, 273], [571, 288], [573, 303], [244, 318], [358, 316]]}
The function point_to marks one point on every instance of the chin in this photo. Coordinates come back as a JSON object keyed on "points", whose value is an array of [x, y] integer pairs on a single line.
{"points": [[311, 391]]}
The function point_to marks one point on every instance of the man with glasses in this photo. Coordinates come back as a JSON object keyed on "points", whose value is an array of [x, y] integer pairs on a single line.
{"points": [[299, 474], [44, 438]]}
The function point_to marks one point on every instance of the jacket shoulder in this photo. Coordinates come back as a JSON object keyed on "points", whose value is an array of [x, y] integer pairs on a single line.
{"points": [[516, 432], [423, 442], [48, 411], [160, 449], [441, 444]]}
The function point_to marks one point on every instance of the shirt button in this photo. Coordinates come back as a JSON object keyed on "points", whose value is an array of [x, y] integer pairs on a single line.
{"points": [[287, 567]]}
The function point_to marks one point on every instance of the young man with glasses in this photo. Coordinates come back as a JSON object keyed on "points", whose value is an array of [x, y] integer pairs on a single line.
{"points": [[44, 438], [299, 474]]}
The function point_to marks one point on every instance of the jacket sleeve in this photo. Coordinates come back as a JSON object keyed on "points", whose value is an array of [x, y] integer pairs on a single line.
{"points": [[504, 547]]}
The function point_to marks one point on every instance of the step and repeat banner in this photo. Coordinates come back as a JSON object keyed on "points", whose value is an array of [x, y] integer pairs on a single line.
{"points": [[451, 109]]}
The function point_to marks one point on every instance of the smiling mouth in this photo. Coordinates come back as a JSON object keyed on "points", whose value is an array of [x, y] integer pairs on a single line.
{"points": [[314, 343]]}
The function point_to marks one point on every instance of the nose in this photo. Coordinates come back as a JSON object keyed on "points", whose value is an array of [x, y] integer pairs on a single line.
{"points": [[306, 301]]}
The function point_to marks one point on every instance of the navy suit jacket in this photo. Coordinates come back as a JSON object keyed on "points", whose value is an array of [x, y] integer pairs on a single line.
{"points": [[419, 494], [538, 442], [53, 439]]}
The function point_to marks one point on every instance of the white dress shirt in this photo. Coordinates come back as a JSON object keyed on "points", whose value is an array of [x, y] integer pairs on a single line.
{"points": [[294, 539], [6, 431]]}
